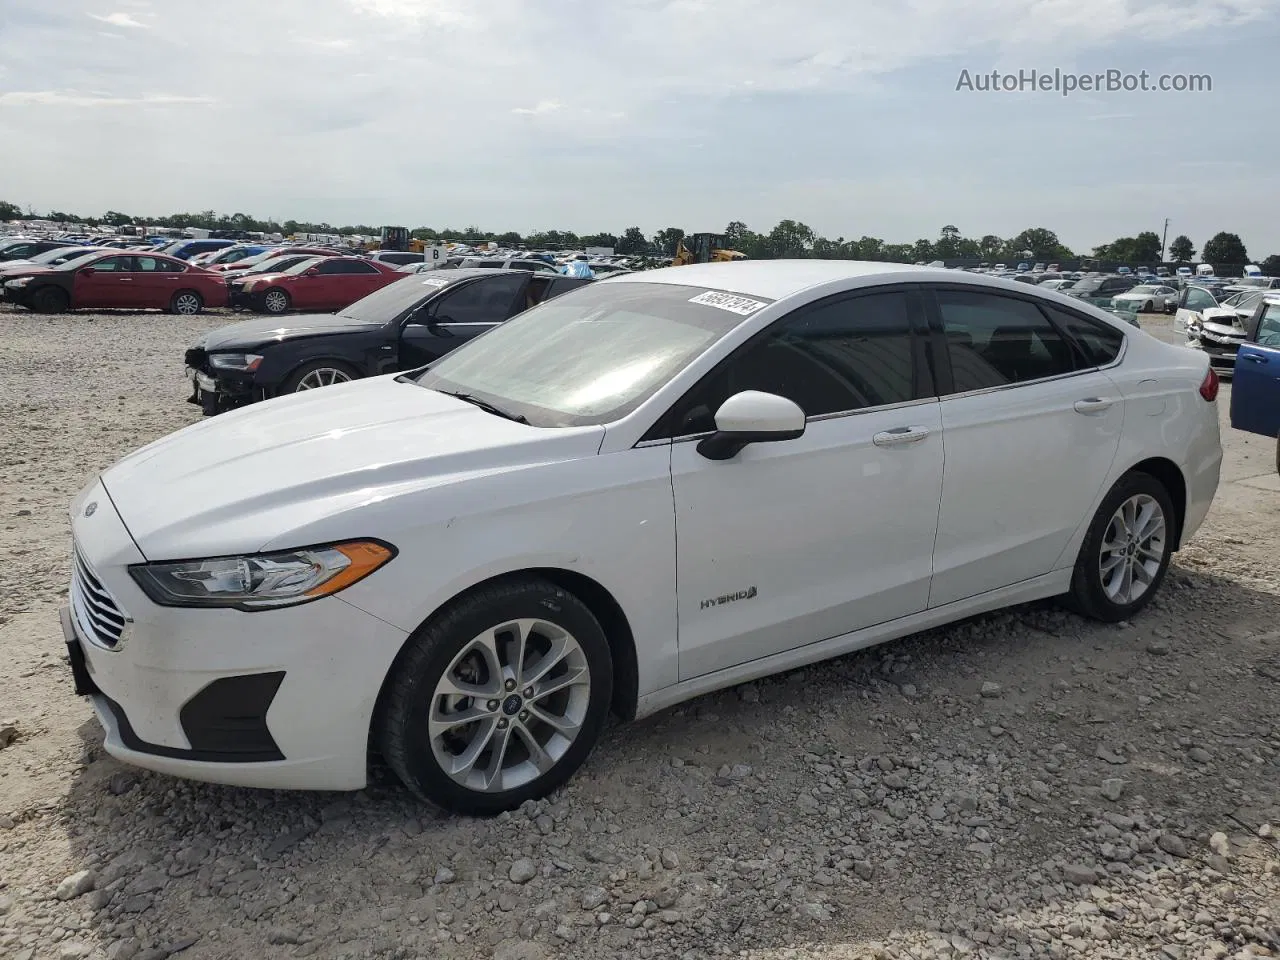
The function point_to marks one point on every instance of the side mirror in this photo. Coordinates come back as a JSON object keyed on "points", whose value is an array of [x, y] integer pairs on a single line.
{"points": [[312, 272], [87, 271], [752, 417]]}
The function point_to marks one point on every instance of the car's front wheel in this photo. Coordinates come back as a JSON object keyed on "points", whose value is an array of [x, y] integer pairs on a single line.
{"points": [[50, 300], [276, 300], [320, 373], [1126, 551], [499, 699]]}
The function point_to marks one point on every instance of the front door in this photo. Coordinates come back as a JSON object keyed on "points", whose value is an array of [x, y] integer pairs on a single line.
{"points": [[108, 283], [793, 542], [1031, 428], [1255, 389], [458, 315]]}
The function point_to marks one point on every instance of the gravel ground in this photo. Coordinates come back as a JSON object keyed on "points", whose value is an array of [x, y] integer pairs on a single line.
{"points": [[1027, 784]]}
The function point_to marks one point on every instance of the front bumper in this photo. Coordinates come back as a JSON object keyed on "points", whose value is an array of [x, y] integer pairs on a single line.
{"points": [[280, 698], [224, 386], [1222, 356]]}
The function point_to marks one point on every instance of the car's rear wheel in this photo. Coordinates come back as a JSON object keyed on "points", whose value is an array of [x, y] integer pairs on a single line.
{"points": [[321, 373], [499, 699], [1149, 307], [186, 302], [276, 300], [50, 300], [1126, 551]]}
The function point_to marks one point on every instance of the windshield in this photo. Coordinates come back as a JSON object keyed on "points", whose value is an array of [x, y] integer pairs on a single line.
{"points": [[303, 265], [276, 263], [1087, 284], [395, 298], [59, 254], [1253, 282], [1145, 288], [593, 355], [69, 260]]}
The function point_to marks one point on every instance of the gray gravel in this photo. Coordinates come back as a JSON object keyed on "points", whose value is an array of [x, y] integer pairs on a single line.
{"points": [[1027, 784]]}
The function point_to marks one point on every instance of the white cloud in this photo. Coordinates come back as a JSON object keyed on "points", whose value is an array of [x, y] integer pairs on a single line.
{"points": [[120, 20], [542, 106], [72, 98]]}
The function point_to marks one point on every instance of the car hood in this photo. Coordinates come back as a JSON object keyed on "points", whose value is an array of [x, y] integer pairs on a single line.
{"points": [[273, 277], [242, 480], [256, 333], [1224, 315], [18, 269]]}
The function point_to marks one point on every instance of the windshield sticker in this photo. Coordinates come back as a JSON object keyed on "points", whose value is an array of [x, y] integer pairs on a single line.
{"points": [[727, 301], [436, 282]]}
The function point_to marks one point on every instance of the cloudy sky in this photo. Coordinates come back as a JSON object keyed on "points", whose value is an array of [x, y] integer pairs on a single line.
{"points": [[595, 115]]}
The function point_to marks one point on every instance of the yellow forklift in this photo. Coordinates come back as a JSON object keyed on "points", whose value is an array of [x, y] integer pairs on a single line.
{"points": [[704, 248]]}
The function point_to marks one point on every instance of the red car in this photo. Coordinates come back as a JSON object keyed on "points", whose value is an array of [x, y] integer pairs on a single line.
{"points": [[323, 285], [120, 280], [256, 259]]}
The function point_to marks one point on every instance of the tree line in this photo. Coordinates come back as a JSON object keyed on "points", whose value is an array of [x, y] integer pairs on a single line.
{"points": [[789, 239]]}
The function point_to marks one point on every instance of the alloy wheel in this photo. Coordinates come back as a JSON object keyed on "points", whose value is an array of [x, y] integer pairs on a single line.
{"points": [[509, 705], [322, 377], [1133, 549], [186, 304], [276, 302]]}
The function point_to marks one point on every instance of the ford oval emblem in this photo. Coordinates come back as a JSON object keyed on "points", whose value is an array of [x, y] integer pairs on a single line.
{"points": [[89, 510]]}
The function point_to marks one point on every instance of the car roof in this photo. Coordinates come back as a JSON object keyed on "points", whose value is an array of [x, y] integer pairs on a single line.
{"points": [[777, 279]]}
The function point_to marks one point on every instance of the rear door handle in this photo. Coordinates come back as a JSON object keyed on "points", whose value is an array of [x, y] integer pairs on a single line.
{"points": [[1093, 405], [899, 436], [1256, 358]]}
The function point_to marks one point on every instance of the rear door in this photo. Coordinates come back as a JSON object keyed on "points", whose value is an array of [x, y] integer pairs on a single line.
{"points": [[1030, 429], [1255, 389], [104, 283], [462, 314], [154, 282]]}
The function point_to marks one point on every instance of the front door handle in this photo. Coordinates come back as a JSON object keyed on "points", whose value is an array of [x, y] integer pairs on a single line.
{"points": [[1093, 405], [1255, 358], [899, 436]]}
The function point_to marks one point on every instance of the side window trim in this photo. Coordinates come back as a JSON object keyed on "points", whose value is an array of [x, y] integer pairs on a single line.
{"points": [[946, 384], [663, 429]]}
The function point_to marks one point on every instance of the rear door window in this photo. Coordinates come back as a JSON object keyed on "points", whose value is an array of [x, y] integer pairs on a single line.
{"points": [[997, 341]]}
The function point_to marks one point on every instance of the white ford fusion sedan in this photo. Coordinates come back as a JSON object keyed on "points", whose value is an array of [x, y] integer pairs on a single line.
{"points": [[659, 485]]}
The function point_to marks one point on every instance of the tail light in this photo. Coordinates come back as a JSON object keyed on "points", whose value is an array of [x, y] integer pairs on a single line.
{"points": [[1209, 385]]}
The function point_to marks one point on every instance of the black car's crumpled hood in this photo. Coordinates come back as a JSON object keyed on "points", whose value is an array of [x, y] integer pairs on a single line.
{"points": [[267, 330]]}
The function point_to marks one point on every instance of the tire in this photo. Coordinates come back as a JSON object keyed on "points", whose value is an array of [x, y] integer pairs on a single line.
{"points": [[276, 301], [1149, 307], [50, 300], [318, 373], [450, 645], [1105, 597], [186, 303]]}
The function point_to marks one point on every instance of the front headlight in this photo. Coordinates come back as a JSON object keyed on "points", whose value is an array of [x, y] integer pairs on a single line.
{"points": [[247, 362], [247, 286], [17, 284], [262, 581]]}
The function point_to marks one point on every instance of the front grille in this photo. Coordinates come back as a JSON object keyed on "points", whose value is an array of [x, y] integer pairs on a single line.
{"points": [[97, 616]]}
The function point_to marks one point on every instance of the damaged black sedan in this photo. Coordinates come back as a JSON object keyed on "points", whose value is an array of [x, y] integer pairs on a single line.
{"points": [[402, 326]]}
